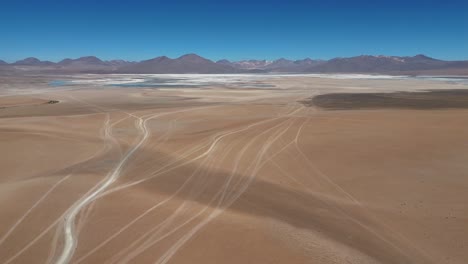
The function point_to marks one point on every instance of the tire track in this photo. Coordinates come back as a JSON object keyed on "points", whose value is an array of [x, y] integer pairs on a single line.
{"points": [[42, 198]]}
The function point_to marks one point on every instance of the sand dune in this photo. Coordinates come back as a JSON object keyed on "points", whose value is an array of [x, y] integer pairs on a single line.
{"points": [[232, 174]]}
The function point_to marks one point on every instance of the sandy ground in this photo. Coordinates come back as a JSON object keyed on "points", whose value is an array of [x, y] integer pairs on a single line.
{"points": [[229, 175]]}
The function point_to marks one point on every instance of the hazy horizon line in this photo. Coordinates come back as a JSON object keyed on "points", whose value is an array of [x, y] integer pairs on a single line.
{"points": [[224, 58]]}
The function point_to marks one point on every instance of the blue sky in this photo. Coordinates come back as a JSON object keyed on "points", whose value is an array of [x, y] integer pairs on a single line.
{"points": [[136, 30]]}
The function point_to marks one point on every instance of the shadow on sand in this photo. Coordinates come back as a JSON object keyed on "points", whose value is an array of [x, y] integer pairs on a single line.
{"points": [[440, 99]]}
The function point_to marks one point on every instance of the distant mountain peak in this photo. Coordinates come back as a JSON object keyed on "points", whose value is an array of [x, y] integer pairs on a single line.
{"points": [[86, 60], [223, 61], [422, 56], [161, 58], [90, 59], [65, 61], [31, 61], [191, 56], [28, 61], [158, 59]]}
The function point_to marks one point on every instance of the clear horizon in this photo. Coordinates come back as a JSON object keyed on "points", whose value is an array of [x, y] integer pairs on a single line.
{"points": [[138, 30], [175, 57]]}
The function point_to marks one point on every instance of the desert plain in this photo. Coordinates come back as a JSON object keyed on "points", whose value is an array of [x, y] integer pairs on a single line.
{"points": [[271, 169]]}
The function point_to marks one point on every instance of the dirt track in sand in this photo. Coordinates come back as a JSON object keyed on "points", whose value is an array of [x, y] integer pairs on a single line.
{"points": [[231, 176]]}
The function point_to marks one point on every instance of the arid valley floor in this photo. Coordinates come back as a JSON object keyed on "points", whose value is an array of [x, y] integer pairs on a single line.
{"points": [[270, 169]]}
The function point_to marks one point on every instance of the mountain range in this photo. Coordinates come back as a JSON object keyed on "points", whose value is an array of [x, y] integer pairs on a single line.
{"points": [[192, 63]]}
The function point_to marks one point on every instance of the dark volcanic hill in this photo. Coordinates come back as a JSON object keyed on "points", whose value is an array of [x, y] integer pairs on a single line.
{"points": [[90, 64], [31, 61], [88, 60], [190, 63], [3, 62]]}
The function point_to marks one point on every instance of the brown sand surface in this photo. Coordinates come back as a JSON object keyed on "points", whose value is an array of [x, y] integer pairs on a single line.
{"points": [[233, 175]]}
